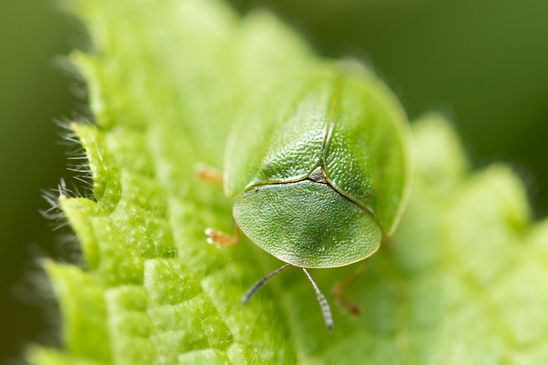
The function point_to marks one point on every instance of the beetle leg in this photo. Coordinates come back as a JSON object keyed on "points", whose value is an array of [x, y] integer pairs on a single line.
{"points": [[341, 286], [219, 238], [208, 174]]}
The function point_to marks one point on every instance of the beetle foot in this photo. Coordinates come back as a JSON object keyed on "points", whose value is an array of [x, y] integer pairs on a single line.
{"points": [[350, 307], [340, 288], [208, 174], [219, 238]]}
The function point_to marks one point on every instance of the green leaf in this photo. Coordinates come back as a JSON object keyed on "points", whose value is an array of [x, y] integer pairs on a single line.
{"points": [[463, 281]]}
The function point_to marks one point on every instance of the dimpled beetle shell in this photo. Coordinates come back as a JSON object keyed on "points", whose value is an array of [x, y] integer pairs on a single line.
{"points": [[319, 171]]}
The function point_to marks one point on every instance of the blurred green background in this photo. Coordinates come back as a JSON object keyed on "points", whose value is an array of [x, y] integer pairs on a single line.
{"points": [[484, 63]]}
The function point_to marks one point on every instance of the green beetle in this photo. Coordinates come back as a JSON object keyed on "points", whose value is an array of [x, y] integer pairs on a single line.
{"points": [[319, 174]]}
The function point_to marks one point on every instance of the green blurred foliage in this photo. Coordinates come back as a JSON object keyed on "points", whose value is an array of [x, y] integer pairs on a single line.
{"points": [[482, 62], [33, 92]]}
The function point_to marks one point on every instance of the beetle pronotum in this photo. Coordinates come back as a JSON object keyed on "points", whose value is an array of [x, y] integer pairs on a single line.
{"points": [[318, 176]]}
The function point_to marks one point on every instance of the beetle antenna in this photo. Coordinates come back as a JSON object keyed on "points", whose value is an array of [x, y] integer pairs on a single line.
{"points": [[324, 305], [262, 282]]}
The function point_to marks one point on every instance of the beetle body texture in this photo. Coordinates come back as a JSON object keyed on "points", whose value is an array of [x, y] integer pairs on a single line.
{"points": [[319, 172]]}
